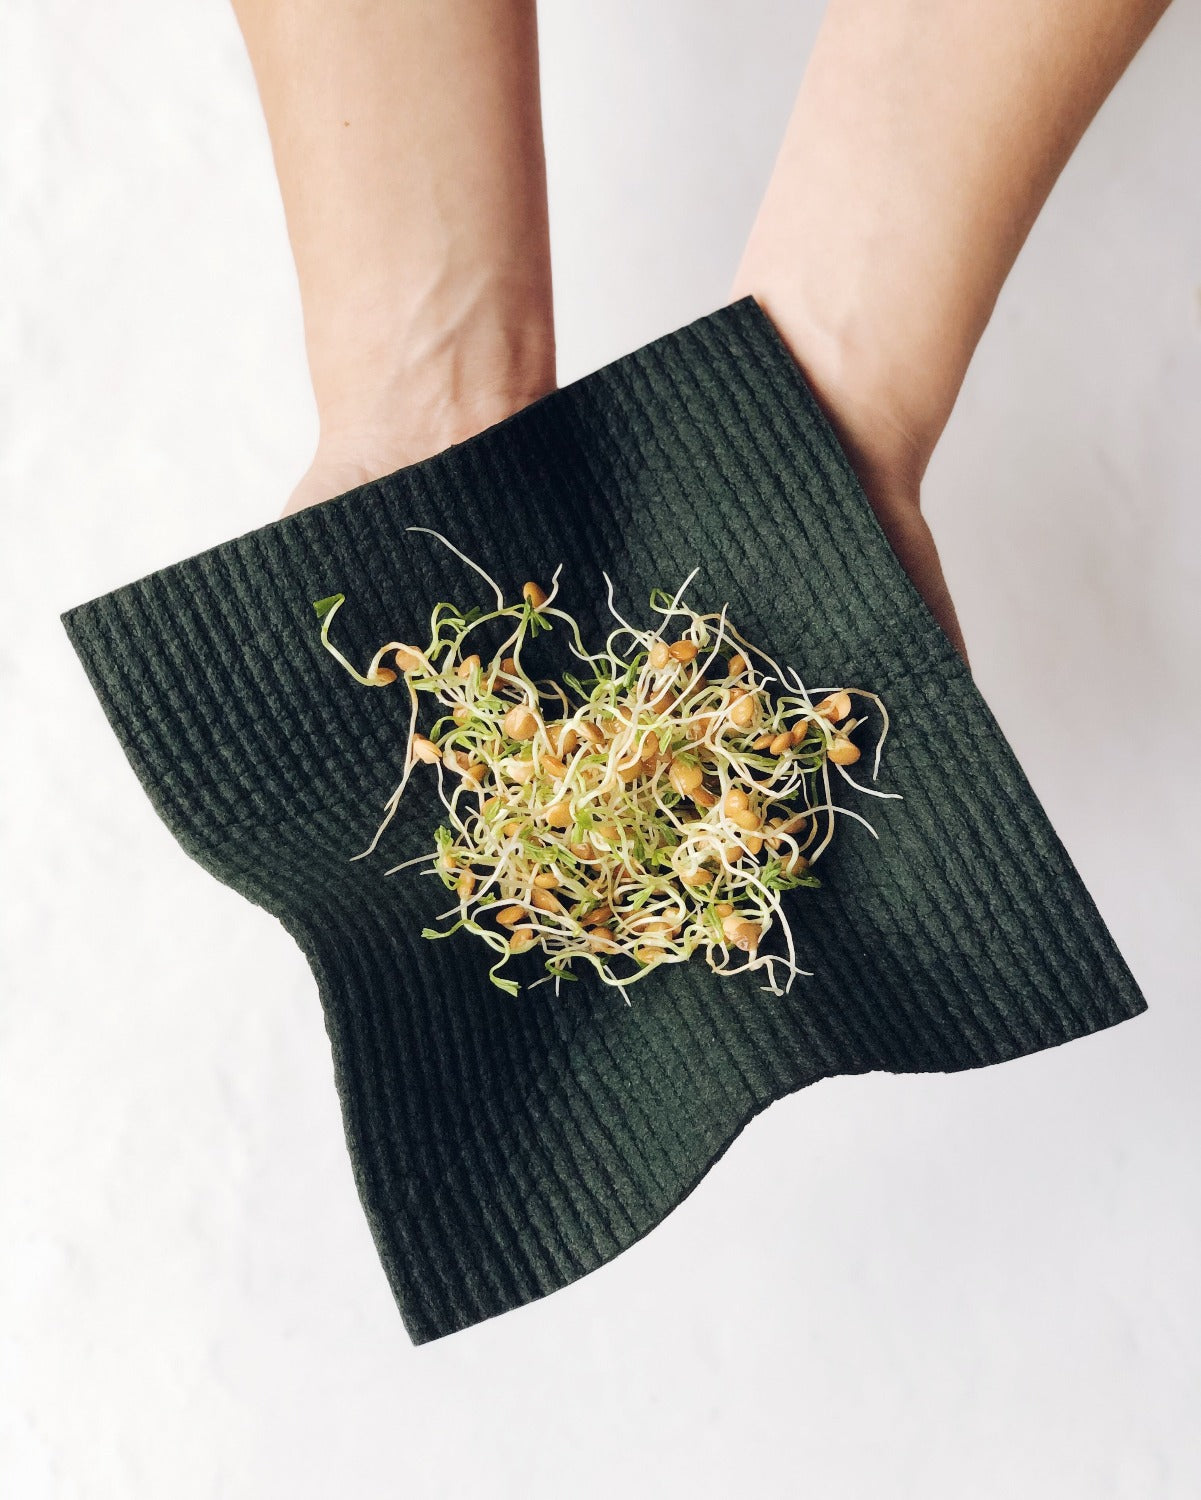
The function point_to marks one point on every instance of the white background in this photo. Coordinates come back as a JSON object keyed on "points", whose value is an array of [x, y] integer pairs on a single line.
{"points": [[983, 1285]]}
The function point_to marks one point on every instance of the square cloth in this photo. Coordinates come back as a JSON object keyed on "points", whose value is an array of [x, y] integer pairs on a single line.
{"points": [[503, 1147]]}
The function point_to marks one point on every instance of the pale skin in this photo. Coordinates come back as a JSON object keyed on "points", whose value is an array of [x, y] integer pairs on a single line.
{"points": [[408, 144]]}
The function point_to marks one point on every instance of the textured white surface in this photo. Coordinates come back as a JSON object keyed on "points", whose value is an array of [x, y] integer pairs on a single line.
{"points": [[981, 1285]]}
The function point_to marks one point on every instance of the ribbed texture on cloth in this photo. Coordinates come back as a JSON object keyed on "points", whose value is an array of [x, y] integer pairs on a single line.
{"points": [[504, 1146]]}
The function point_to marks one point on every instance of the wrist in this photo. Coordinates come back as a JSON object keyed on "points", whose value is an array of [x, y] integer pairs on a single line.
{"points": [[866, 391], [359, 450], [463, 356], [399, 386], [867, 401], [417, 429]]}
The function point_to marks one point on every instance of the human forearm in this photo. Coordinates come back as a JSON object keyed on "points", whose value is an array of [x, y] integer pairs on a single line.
{"points": [[925, 139], [407, 142]]}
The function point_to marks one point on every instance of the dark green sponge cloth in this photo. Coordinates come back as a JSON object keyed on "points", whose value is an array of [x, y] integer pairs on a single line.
{"points": [[504, 1146]]}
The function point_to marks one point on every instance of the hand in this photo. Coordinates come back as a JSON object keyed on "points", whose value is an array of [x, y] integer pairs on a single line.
{"points": [[925, 137], [889, 467]]}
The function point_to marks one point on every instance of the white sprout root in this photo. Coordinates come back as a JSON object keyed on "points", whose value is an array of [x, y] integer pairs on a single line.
{"points": [[652, 807]]}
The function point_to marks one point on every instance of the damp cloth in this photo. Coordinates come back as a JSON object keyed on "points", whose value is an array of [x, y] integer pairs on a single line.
{"points": [[503, 1146]]}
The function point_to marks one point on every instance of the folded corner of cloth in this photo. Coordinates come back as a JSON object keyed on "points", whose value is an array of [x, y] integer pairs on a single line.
{"points": [[505, 1145]]}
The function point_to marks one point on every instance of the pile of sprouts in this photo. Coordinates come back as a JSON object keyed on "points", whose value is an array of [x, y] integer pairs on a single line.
{"points": [[652, 806]]}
